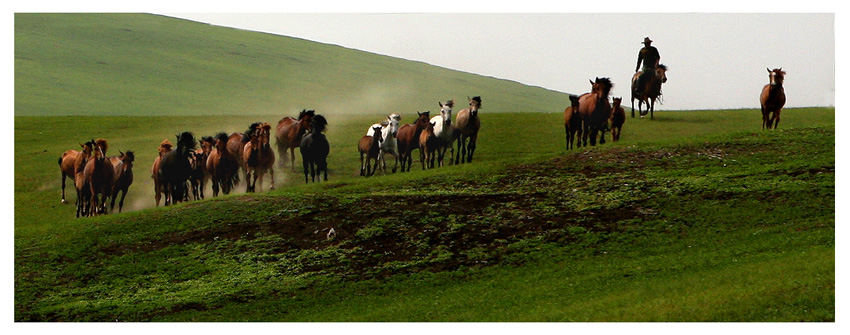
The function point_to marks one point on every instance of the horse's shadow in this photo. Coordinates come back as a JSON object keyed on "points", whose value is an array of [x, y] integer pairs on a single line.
{"points": [[680, 119]]}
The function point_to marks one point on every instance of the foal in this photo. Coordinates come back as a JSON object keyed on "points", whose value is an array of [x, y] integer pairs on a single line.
{"points": [[370, 146], [618, 117]]}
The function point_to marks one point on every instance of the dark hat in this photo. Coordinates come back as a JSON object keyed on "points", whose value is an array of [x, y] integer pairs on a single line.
{"points": [[646, 40]]}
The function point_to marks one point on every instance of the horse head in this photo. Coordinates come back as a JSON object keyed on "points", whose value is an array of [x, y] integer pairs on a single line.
{"points": [[207, 143], [392, 124], [265, 130], [185, 142], [617, 102], [377, 130], [318, 124], [602, 86], [221, 142], [474, 105], [574, 102], [777, 76], [422, 121], [446, 112], [127, 159], [661, 73]]}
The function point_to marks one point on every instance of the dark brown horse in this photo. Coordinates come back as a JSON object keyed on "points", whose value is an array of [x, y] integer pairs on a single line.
{"points": [[223, 166], [369, 148], [123, 177], [175, 168], [99, 175], [258, 156], [650, 91], [315, 148], [467, 123], [430, 146], [572, 122], [200, 175], [164, 147], [289, 133], [618, 117], [73, 162], [408, 139], [595, 111], [772, 99]]}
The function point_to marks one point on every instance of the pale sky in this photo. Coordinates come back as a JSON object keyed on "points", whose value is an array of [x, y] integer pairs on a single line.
{"points": [[715, 60]]}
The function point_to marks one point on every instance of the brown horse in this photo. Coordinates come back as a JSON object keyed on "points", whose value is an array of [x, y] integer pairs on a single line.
{"points": [[467, 125], [618, 117], [258, 156], [650, 91], [572, 122], [72, 162], [123, 177], [175, 168], [200, 175], [595, 111], [370, 148], [223, 166], [99, 175], [289, 133], [429, 146], [164, 147], [408, 139], [772, 99], [315, 148]]}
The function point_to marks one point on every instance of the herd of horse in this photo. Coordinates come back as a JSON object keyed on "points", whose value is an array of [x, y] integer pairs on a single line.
{"points": [[183, 170]]}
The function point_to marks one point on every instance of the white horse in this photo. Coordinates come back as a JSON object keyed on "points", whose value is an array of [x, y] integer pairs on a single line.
{"points": [[443, 129], [389, 145]]}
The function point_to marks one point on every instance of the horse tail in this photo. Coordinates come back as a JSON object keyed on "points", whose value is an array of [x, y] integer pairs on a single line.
{"points": [[60, 161]]}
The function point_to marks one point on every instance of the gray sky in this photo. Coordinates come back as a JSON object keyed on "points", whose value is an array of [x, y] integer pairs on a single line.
{"points": [[715, 60]]}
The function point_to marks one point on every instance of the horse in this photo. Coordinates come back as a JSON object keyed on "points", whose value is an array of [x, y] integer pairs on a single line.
{"points": [[71, 162], [99, 175], [123, 177], [175, 168], [650, 91], [289, 133], [443, 130], [429, 146], [772, 99], [370, 148], [315, 148], [389, 142], [618, 117], [164, 147], [200, 175], [236, 144], [595, 111], [223, 166], [466, 128], [572, 122], [408, 139], [258, 156]]}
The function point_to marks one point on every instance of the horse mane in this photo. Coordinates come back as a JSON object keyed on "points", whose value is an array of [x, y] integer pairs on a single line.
{"points": [[248, 133], [208, 139], [319, 124], [186, 140], [450, 103], [306, 112], [477, 99], [606, 85], [221, 136], [102, 143], [662, 66]]}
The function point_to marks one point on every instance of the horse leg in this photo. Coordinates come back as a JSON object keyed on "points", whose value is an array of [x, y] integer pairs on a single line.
{"points": [[652, 108], [395, 157], [473, 142], [306, 165], [633, 106], [292, 157], [63, 184], [271, 178], [215, 186], [313, 171], [776, 118]]}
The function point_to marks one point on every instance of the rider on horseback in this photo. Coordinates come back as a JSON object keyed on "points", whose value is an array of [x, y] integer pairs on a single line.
{"points": [[650, 58]]}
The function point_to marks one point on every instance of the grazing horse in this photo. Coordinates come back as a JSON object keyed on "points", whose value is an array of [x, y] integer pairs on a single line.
{"points": [[123, 177], [289, 133], [467, 125], [572, 122], [72, 162], [443, 130], [223, 166], [99, 175], [175, 168], [429, 146], [164, 147], [408, 139], [389, 142], [315, 148], [772, 99], [200, 175], [650, 91], [370, 146], [595, 111], [618, 117], [258, 156]]}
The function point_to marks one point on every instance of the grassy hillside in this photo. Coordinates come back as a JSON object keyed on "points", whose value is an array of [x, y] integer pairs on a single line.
{"points": [[140, 64]]}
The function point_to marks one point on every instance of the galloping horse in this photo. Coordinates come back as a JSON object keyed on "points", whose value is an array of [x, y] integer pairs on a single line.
{"points": [[123, 177], [200, 175], [315, 148], [99, 175], [175, 168], [572, 122], [408, 139], [258, 156], [289, 133], [618, 117], [389, 142], [73, 162], [443, 130], [429, 146], [772, 99], [650, 91], [223, 166], [369, 148], [467, 125], [595, 111], [164, 147]]}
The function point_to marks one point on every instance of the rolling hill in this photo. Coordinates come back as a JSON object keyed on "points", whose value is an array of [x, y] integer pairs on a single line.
{"points": [[144, 64]]}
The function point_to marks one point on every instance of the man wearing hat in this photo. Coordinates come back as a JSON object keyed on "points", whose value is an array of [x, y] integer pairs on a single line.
{"points": [[650, 58]]}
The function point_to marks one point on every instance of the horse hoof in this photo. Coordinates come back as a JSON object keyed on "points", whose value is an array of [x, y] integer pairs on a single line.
{"points": [[64, 202]]}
